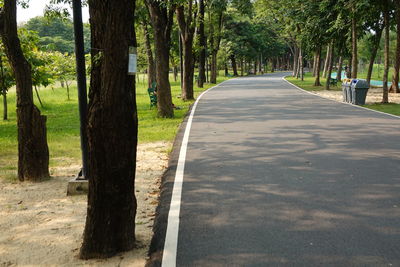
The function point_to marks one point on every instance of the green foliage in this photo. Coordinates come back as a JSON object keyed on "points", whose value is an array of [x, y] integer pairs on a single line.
{"points": [[63, 125], [56, 33]]}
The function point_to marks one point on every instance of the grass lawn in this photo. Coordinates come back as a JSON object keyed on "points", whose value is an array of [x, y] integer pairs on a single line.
{"points": [[308, 85], [63, 124], [390, 108]]}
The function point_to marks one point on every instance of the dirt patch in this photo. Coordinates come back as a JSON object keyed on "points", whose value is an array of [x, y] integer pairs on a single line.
{"points": [[374, 96], [40, 225]]}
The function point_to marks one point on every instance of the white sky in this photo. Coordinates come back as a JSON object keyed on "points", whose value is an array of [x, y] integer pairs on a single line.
{"points": [[36, 8]]}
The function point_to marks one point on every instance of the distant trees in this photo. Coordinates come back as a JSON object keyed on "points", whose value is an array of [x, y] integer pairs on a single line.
{"points": [[56, 33]]}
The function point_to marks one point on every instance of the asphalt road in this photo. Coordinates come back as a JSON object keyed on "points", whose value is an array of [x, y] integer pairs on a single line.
{"points": [[278, 177]]}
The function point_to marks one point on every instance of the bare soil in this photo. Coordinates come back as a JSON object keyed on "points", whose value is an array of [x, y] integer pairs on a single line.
{"points": [[374, 96], [41, 226]]}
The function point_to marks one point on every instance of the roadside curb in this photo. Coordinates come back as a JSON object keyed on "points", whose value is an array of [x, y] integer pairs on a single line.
{"points": [[344, 103]]}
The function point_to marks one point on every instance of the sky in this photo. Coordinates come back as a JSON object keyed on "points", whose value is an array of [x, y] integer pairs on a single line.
{"points": [[36, 8]]}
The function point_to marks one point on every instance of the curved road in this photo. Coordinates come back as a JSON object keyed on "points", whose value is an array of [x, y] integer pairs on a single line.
{"points": [[275, 176]]}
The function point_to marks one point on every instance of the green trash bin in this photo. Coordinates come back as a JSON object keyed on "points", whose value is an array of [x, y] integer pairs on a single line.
{"points": [[359, 90]]}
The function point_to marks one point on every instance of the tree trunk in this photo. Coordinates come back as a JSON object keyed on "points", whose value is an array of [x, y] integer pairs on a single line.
{"points": [[340, 69], [38, 96], [295, 60], [33, 152], [395, 81], [202, 44], [354, 57], [314, 65], [187, 26], [301, 64], [328, 52], [112, 132], [162, 20], [234, 66], [385, 97], [151, 70], [3, 90], [374, 51], [241, 67], [318, 67], [330, 66], [213, 76], [175, 73]]}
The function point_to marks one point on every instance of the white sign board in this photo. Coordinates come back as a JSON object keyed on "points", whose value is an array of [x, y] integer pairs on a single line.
{"points": [[132, 65]]}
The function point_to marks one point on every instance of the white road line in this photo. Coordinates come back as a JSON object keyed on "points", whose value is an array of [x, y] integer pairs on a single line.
{"points": [[344, 103], [171, 237]]}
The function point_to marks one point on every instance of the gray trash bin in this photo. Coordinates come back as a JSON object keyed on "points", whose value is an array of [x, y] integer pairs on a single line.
{"points": [[346, 89], [359, 90]]}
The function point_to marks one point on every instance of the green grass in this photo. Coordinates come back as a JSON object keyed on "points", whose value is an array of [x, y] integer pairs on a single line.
{"points": [[390, 108], [308, 85], [63, 124]]}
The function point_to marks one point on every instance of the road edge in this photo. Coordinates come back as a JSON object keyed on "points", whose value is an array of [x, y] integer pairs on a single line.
{"points": [[356, 106], [160, 225]]}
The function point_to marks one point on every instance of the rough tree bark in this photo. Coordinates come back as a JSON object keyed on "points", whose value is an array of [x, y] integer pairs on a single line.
{"points": [[33, 152], [395, 81], [385, 96], [151, 69], [187, 25], [377, 40], [354, 57], [202, 44], [112, 132], [161, 13], [318, 67]]}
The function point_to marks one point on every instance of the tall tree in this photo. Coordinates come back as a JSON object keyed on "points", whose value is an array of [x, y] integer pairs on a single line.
{"points": [[202, 44], [395, 81], [386, 19], [33, 152], [186, 15], [354, 56], [161, 13], [112, 132], [216, 18]]}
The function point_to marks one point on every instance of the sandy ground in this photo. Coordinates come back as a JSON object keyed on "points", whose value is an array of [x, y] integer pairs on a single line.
{"points": [[41, 226], [374, 96]]}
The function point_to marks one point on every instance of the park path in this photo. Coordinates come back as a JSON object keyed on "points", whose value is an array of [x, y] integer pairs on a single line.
{"points": [[275, 176]]}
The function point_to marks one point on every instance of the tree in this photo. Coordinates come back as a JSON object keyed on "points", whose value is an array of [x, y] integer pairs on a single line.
{"points": [[63, 68], [33, 152], [386, 19], [186, 16], [161, 14], [395, 81], [216, 11], [202, 43], [6, 81], [112, 132]]}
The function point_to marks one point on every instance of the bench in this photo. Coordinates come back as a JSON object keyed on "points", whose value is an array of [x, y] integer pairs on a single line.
{"points": [[333, 81], [152, 94]]}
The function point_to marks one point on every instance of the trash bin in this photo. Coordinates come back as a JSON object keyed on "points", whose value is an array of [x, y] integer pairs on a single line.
{"points": [[346, 90], [359, 90]]}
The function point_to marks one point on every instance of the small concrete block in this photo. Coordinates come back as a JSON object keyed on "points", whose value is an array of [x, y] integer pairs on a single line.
{"points": [[77, 187]]}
